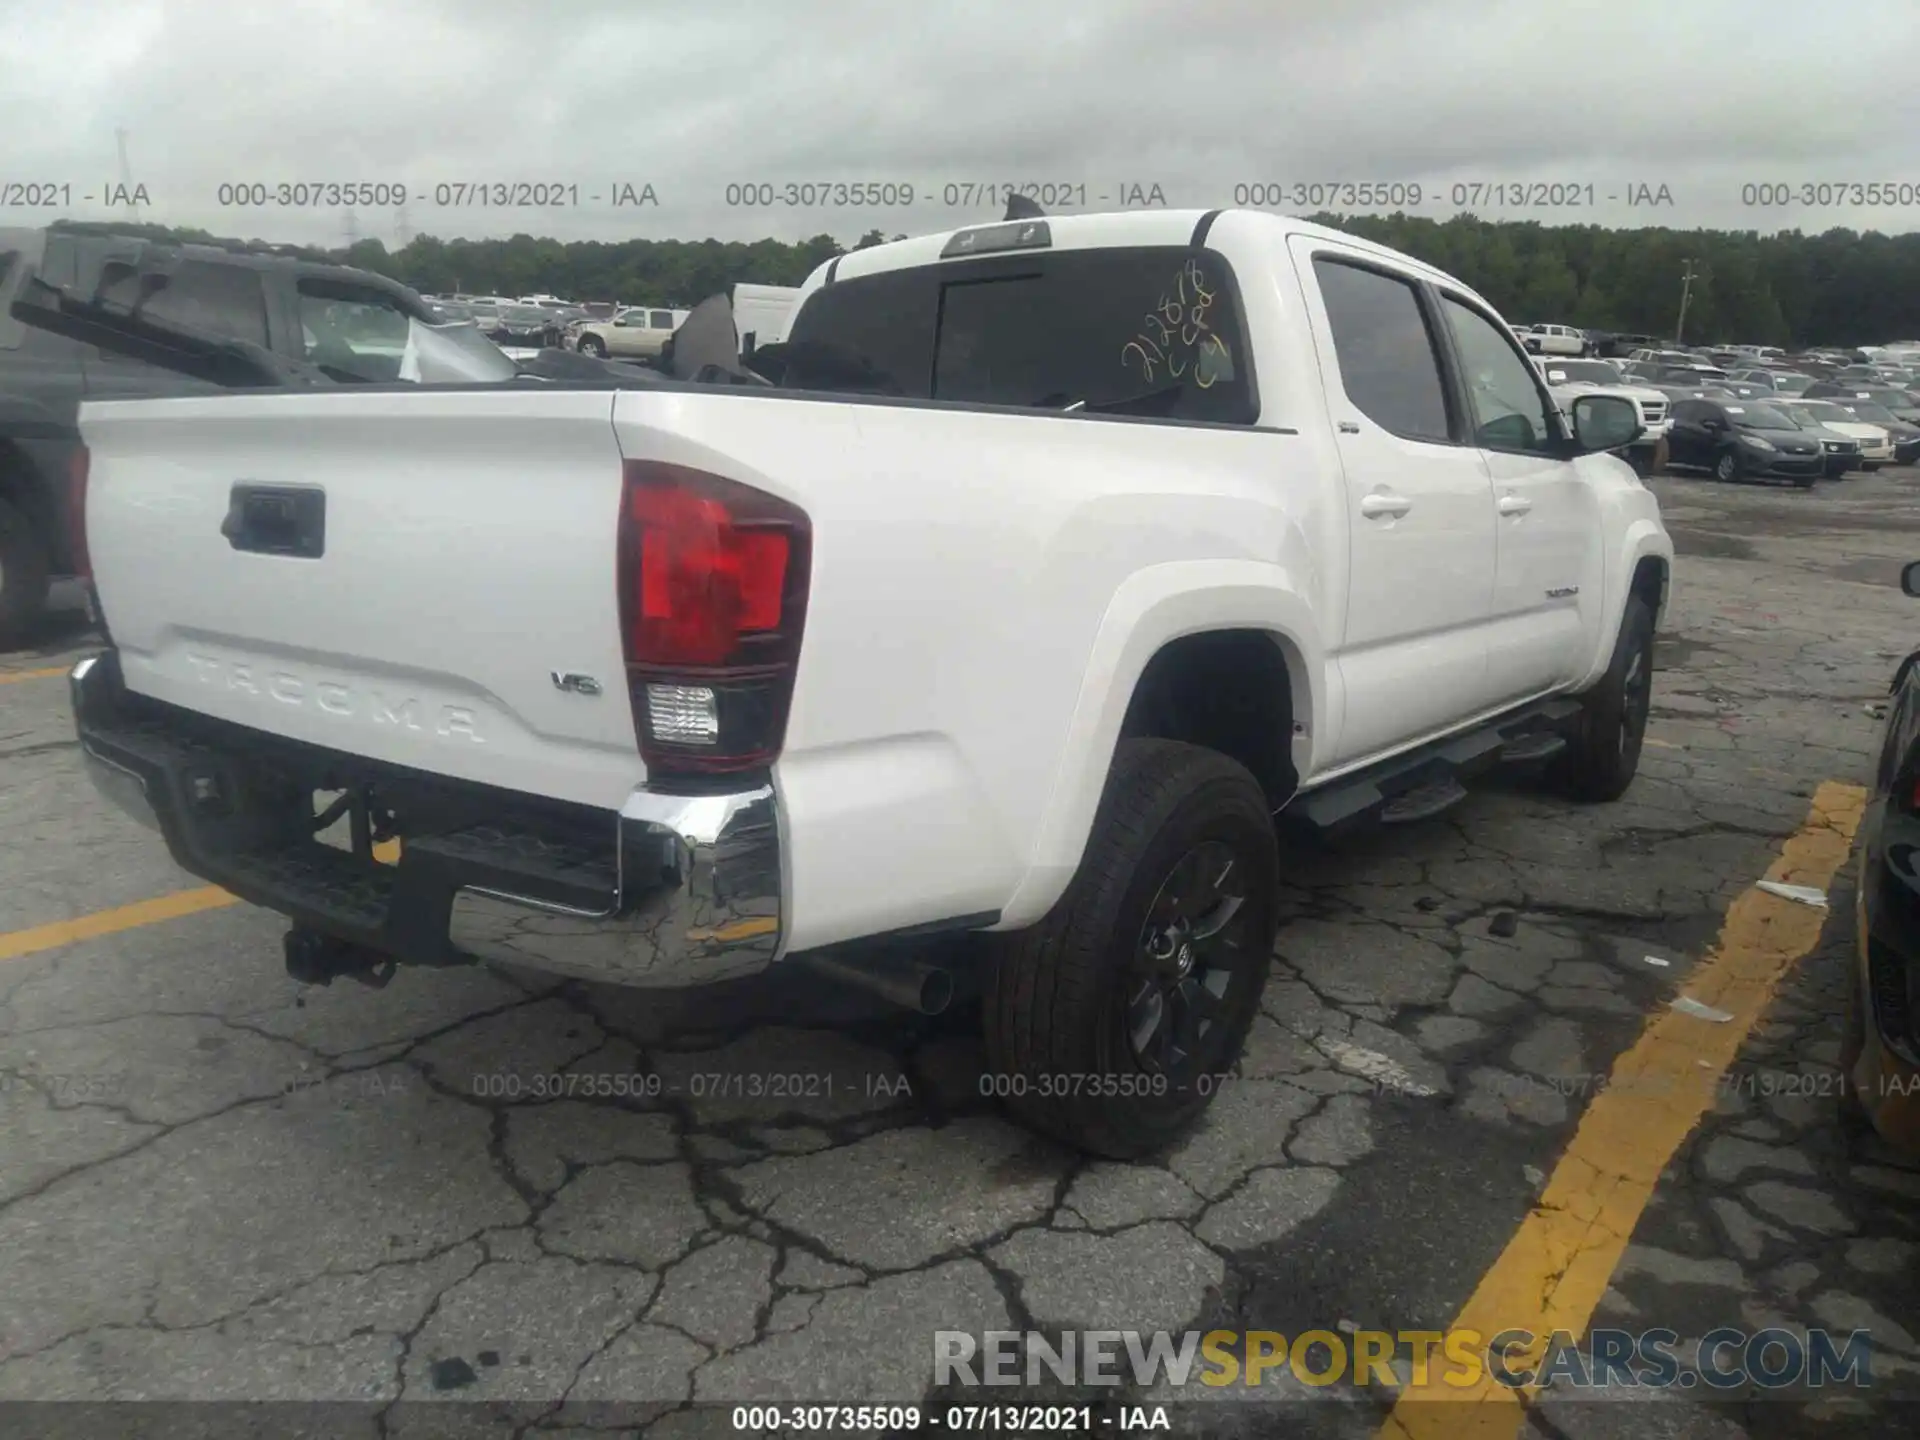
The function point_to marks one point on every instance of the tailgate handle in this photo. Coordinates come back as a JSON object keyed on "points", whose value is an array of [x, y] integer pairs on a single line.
{"points": [[277, 520]]}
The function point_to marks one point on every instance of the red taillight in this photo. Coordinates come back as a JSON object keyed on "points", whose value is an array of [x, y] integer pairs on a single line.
{"points": [[707, 575], [77, 466], [713, 588]]}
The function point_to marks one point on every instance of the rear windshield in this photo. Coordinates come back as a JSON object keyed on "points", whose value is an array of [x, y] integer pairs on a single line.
{"points": [[1137, 331]]}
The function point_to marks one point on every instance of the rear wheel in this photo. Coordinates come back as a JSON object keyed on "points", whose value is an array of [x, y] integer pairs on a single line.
{"points": [[1109, 1023], [1603, 753], [24, 576]]}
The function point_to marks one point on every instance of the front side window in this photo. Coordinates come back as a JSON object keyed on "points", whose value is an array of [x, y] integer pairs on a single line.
{"points": [[358, 338], [1509, 412], [1386, 356], [364, 336]]}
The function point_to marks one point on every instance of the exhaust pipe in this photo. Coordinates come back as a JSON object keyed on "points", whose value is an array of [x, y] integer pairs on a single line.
{"points": [[909, 984]]}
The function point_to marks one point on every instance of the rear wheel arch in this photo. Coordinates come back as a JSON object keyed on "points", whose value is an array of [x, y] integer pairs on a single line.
{"points": [[1232, 691], [1168, 608]]}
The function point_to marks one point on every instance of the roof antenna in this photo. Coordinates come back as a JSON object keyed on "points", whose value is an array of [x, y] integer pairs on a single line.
{"points": [[1023, 207]]}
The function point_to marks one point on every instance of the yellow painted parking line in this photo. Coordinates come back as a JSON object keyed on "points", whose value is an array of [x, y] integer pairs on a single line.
{"points": [[141, 912], [1559, 1262], [11, 677], [111, 922], [1661, 744]]}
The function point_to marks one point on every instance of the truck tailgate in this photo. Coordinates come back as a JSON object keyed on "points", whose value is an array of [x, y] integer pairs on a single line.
{"points": [[466, 558]]}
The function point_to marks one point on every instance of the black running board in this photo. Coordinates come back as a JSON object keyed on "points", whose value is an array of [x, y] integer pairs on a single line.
{"points": [[1426, 781]]}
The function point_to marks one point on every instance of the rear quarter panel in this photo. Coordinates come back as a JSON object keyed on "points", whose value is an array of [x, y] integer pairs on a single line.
{"points": [[986, 588]]}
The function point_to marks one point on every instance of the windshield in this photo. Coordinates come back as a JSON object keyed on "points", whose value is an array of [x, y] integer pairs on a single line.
{"points": [[1574, 372], [1765, 417], [1873, 414], [1822, 414]]}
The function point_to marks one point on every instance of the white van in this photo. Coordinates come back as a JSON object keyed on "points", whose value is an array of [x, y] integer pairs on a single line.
{"points": [[761, 314]]}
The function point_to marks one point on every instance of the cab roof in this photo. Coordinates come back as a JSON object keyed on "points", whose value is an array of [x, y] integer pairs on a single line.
{"points": [[1109, 229]]}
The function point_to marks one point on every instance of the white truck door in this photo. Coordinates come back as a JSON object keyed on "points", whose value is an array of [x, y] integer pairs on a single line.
{"points": [[1413, 658], [1547, 576]]}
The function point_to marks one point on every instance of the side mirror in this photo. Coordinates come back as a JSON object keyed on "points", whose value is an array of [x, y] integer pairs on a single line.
{"points": [[1910, 577], [1605, 422]]}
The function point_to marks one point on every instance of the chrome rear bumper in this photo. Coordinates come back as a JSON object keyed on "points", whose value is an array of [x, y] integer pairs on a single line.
{"points": [[685, 890]]}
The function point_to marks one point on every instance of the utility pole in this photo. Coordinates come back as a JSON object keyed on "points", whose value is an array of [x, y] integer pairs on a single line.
{"points": [[1686, 293], [352, 229], [401, 234], [126, 172]]}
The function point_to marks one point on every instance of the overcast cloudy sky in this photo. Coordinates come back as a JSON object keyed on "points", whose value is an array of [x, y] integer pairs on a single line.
{"points": [[1198, 98]]}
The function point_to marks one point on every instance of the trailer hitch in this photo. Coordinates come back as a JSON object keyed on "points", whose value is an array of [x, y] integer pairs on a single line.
{"points": [[317, 959]]}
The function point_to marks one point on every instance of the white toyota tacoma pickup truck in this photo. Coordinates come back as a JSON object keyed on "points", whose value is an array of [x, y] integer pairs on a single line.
{"points": [[1066, 555]]}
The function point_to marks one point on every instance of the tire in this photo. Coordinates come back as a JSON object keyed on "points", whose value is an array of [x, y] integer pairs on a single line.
{"points": [[1728, 466], [593, 345], [1856, 1124], [1870, 466], [1067, 1001], [24, 576], [1804, 482], [1603, 750]]}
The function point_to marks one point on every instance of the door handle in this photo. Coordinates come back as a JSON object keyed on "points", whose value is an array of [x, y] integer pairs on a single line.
{"points": [[1515, 505], [1376, 506]]}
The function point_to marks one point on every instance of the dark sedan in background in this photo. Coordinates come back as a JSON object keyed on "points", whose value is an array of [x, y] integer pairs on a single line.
{"points": [[1880, 1053], [526, 327], [1740, 440]]}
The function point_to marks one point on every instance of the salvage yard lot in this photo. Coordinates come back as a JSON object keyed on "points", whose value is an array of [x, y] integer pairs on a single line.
{"points": [[216, 1184]]}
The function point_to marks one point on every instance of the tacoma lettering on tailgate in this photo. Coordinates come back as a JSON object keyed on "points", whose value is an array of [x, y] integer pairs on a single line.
{"points": [[375, 707]]}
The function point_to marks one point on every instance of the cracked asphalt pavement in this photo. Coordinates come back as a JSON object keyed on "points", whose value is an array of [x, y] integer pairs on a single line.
{"points": [[492, 1185]]}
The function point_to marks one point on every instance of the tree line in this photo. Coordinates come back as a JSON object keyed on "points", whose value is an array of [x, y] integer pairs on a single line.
{"points": [[1840, 287]]}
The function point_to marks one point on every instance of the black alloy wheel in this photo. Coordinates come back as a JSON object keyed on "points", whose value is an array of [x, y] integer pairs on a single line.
{"points": [[1188, 954]]}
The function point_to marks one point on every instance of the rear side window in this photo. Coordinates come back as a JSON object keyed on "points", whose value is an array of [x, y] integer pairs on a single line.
{"points": [[224, 299], [1152, 332], [1388, 365], [661, 320], [871, 336]]}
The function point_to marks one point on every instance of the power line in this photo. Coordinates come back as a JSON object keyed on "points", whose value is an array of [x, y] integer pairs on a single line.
{"points": [[126, 174]]}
